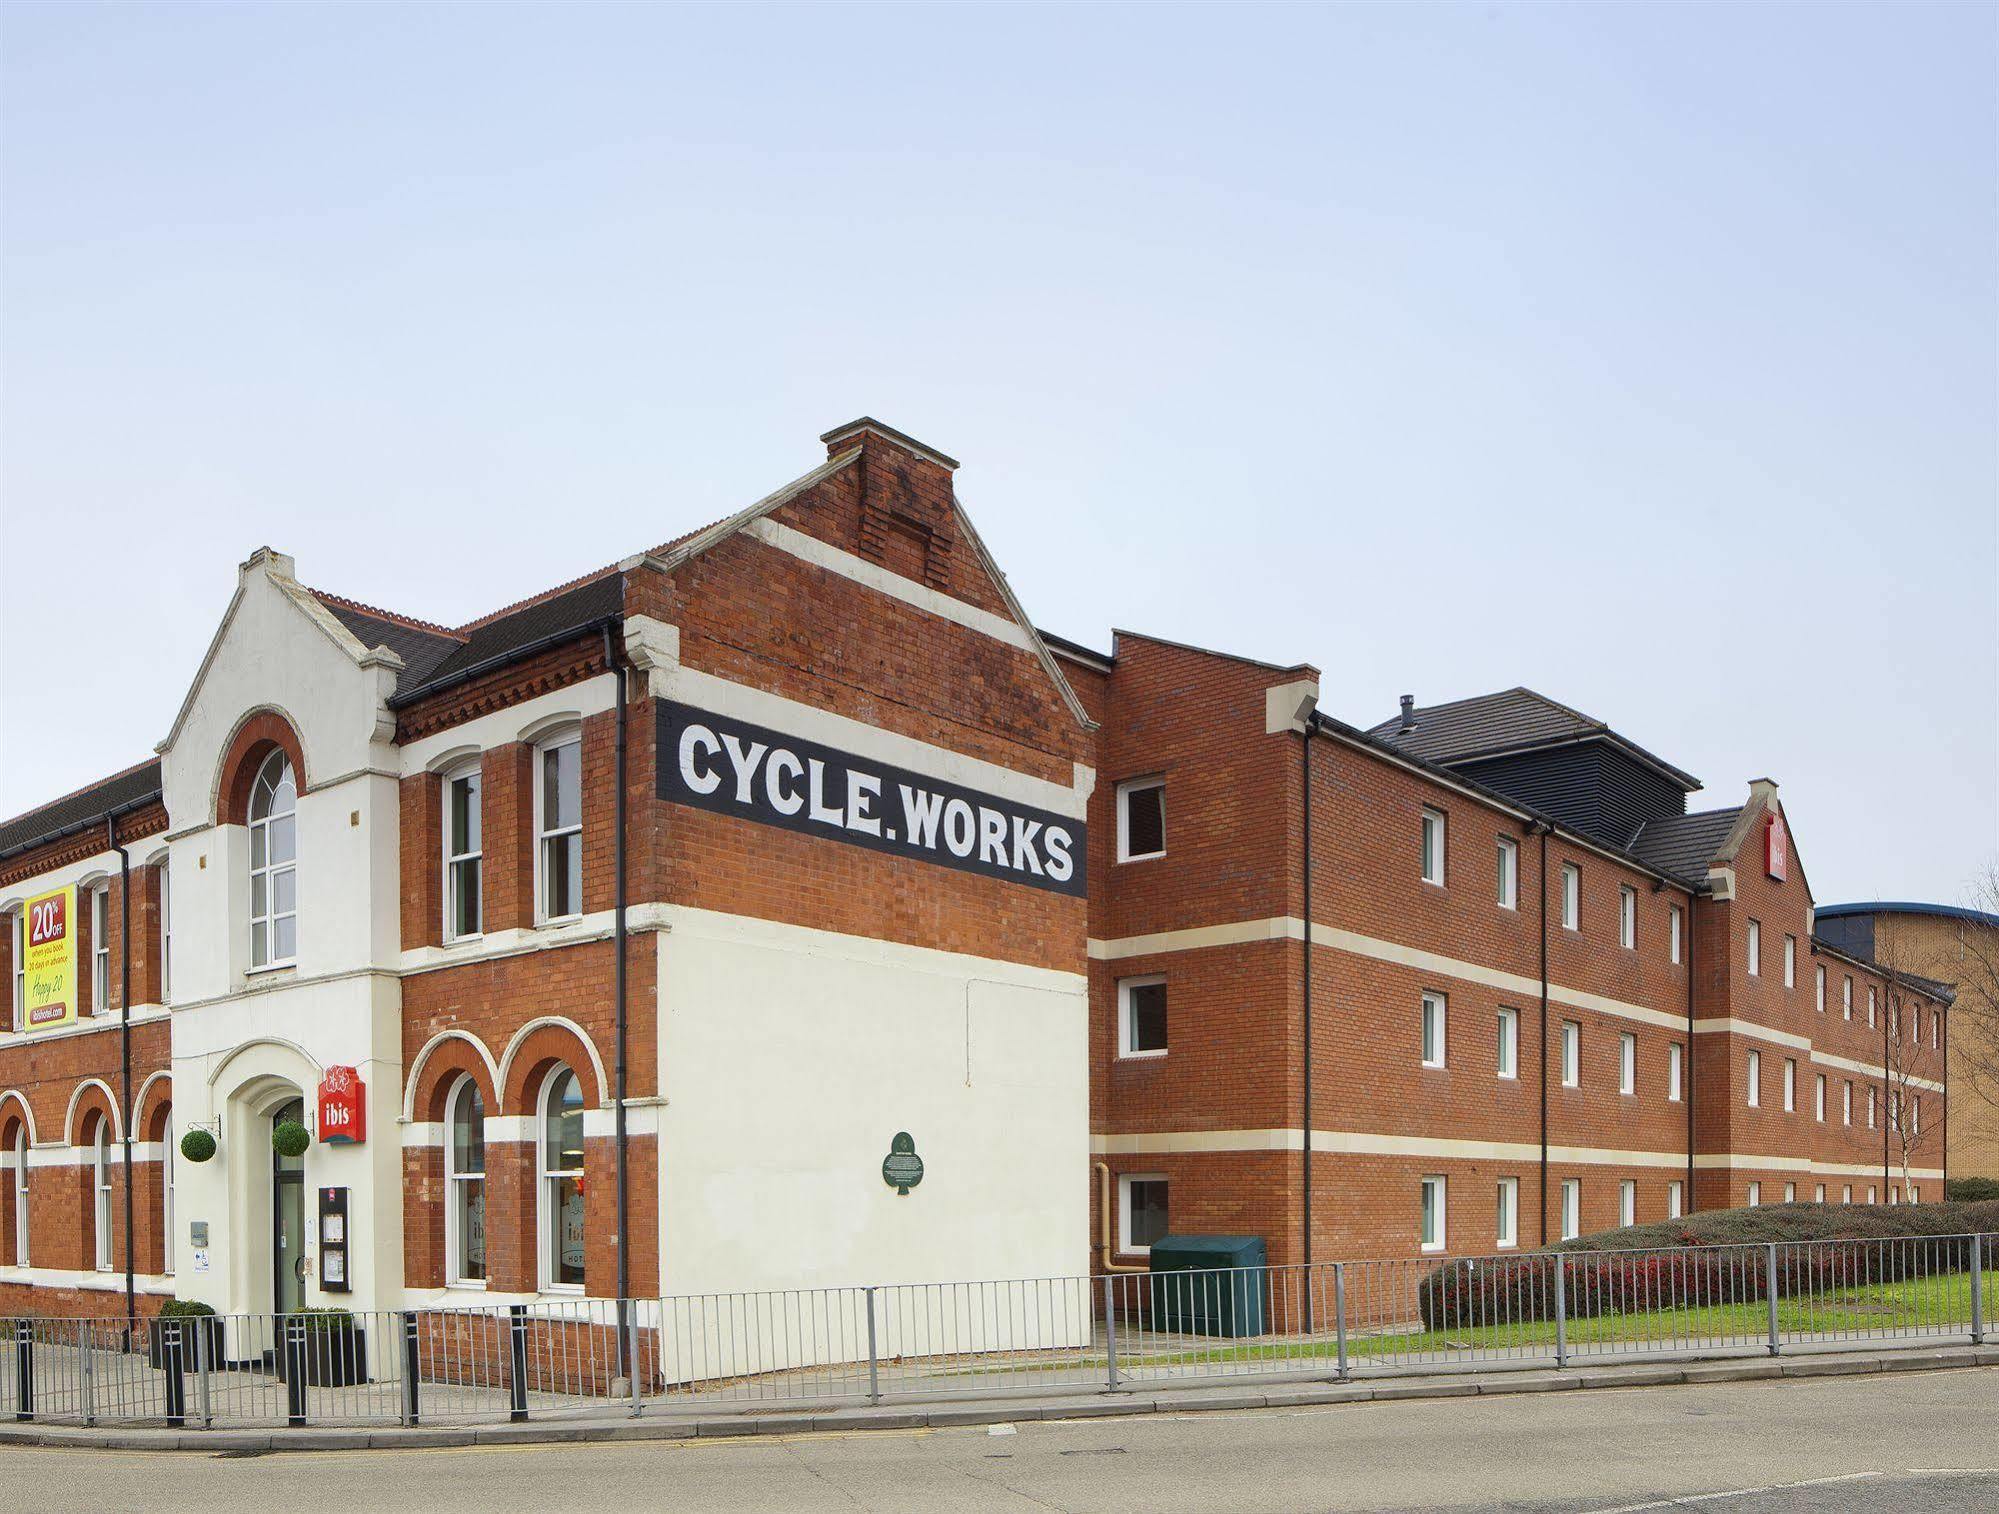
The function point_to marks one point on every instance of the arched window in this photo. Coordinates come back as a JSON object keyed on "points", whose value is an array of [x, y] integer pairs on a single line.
{"points": [[559, 1158], [274, 864], [101, 1215], [167, 1155], [465, 1186], [21, 1194]]}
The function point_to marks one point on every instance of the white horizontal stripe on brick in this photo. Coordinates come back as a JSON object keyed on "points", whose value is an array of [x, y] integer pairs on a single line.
{"points": [[1827, 1059], [1363, 1143]]}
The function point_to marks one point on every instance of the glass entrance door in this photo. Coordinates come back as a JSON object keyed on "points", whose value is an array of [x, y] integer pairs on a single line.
{"points": [[288, 1251]]}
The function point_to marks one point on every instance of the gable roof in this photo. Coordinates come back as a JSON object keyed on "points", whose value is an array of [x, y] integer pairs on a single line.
{"points": [[1684, 845], [1512, 720], [89, 805]]}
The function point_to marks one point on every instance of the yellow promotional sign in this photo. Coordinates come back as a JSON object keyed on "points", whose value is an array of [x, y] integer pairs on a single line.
{"points": [[48, 980]]}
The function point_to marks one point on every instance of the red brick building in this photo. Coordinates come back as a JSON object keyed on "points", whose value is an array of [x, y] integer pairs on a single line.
{"points": [[608, 943]]}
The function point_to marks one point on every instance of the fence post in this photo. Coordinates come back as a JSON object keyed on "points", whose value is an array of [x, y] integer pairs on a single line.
{"points": [[170, 1359], [1340, 1312], [24, 1369], [1770, 1289], [1110, 1330], [1977, 1289], [412, 1370], [89, 1372], [1561, 1312], [517, 1353], [207, 1333], [295, 1352], [632, 1358], [874, 1356]]}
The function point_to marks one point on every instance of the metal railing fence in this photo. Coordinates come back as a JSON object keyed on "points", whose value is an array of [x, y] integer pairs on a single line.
{"points": [[910, 1341]]}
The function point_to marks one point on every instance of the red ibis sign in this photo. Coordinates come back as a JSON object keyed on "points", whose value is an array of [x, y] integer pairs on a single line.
{"points": [[343, 1106], [1776, 846]]}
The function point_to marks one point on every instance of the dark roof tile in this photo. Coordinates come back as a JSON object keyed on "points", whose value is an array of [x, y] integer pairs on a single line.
{"points": [[1684, 845], [73, 811]]}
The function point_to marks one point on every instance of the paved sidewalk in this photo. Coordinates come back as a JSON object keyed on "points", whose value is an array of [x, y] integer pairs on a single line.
{"points": [[712, 1422]]}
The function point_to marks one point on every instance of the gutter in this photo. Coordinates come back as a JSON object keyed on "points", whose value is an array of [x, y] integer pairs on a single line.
{"points": [[402, 701]]}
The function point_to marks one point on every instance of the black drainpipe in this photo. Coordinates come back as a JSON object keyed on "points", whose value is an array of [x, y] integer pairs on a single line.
{"points": [[1305, 787], [125, 1052], [1543, 829], [618, 978]]}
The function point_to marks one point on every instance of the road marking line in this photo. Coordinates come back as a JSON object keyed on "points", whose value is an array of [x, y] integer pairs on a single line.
{"points": [[1694, 1498]]}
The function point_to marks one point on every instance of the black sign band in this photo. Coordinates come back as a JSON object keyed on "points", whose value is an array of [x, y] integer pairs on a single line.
{"points": [[729, 767]]}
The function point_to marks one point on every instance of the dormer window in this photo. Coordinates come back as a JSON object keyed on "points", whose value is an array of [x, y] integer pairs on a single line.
{"points": [[274, 864]]}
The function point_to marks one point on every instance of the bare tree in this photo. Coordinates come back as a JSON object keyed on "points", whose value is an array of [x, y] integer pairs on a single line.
{"points": [[1912, 1042]]}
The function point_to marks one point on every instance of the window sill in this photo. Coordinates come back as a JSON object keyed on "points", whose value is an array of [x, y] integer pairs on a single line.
{"points": [[289, 966], [553, 921], [1435, 1066], [562, 1290], [471, 939], [1142, 857], [1141, 1056], [1431, 1250], [467, 1285], [1435, 882]]}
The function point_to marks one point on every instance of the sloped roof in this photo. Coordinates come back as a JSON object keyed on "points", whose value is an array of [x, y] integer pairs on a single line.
{"points": [[1513, 720], [1683, 845], [86, 806]]}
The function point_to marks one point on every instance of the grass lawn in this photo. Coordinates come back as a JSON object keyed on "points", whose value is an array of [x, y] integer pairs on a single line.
{"points": [[1935, 1302]]}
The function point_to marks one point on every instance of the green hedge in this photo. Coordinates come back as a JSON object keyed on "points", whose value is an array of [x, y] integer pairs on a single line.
{"points": [[1797, 1222], [1971, 1190]]}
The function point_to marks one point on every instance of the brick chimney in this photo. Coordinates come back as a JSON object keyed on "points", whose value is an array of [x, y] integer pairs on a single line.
{"points": [[907, 521]]}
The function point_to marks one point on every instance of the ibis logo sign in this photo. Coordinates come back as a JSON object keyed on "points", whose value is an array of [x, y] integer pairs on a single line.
{"points": [[48, 960], [723, 765]]}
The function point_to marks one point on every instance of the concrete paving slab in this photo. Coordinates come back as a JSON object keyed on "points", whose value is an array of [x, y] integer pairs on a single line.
{"points": [[1733, 1372], [1524, 1383], [1632, 1377], [1385, 1391], [1832, 1366]]}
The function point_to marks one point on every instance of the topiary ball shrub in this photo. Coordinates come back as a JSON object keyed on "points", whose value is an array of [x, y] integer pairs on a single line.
{"points": [[197, 1145], [290, 1139]]}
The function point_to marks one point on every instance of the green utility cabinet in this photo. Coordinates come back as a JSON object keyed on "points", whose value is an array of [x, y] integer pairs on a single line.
{"points": [[1210, 1284]]}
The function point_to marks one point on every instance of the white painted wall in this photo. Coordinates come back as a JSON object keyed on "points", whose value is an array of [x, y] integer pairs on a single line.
{"points": [[791, 1058]]}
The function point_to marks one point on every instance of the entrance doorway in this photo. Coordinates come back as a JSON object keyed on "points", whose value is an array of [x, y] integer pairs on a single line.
{"points": [[288, 1249]]}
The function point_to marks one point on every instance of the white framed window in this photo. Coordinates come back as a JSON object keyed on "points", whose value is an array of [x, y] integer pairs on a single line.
{"points": [[1818, 1098], [1846, 1193], [1141, 819], [1572, 1054], [1755, 1083], [1673, 1200], [1673, 1054], [1433, 1029], [1871, 1091], [1895, 1109], [167, 1158], [1755, 948], [100, 949], [1818, 987], [1627, 1201], [20, 957], [465, 1185], [1509, 1043], [1818, 1193], [1846, 996], [1870, 1005], [166, 939], [1572, 1208], [1915, 1114], [1790, 1085], [101, 1186], [1433, 846], [1790, 1193], [1142, 1016], [1144, 1210], [1872, 1198], [559, 1160], [1755, 1195], [1572, 897], [1509, 873], [1627, 1063], [1846, 1103], [1506, 1223], [1675, 920], [1433, 1214], [274, 864], [21, 1206], [464, 855], [1790, 961], [558, 810], [1893, 1196], [1627, 917], [1915, 1193]]}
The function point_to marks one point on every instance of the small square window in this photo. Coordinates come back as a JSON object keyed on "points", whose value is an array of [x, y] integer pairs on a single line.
{"points": [[1141, 819], [1433, 846], [1142, 1017], [1142, 1210]]}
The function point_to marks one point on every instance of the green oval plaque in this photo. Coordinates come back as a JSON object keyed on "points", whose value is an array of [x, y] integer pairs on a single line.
{"points": [[902, 1168]]}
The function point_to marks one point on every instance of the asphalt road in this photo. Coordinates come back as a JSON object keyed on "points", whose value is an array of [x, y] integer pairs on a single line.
{"points": [[1898, 1442]]}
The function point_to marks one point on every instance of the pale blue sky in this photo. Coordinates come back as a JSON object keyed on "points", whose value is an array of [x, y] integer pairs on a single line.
{"points": [[1645, 356]]}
